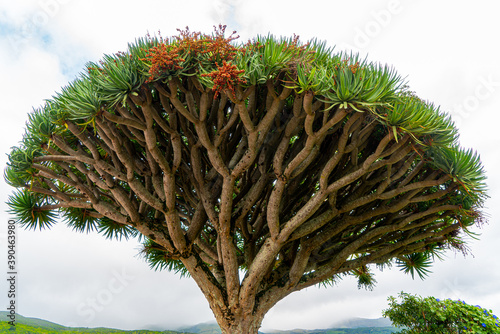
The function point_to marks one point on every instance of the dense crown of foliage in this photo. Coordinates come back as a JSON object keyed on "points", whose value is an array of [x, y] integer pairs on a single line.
{"points": [[286, 162], [431, 315]]}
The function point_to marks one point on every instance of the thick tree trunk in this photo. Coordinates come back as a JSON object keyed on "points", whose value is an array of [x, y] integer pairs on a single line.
{"points": [[238, 318], [241, 325]]}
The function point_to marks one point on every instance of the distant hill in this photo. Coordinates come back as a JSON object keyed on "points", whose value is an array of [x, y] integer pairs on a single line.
{"points": [[34, 322], [361, 330], [350, 326], [27, 325], [362, 322], [205, 328], [357, 326]]}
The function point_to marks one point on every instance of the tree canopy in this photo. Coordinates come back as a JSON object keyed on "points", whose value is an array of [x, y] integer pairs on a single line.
{"points": [[282, 162]]}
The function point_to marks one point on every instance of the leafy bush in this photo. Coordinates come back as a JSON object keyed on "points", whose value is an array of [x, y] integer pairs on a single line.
{"points": [[431, 315]]}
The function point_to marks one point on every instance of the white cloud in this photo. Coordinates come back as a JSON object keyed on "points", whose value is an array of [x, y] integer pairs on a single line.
{"points": [[107, 27]]}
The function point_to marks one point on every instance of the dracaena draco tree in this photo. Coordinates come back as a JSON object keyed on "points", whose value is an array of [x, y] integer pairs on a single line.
{"points": [[257, 169]]}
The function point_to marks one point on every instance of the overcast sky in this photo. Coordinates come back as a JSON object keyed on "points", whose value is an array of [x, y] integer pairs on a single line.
{"points": [[449, 51]]}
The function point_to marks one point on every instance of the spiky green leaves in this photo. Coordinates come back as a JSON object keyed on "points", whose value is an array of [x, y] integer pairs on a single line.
{"points": [[464, 165], [114, 230], [422, 120], [416, 263], [347, 81], [81, 220], [266, 57], [35, 211], [116, 77], [39, 128], [78, 101], [27, 207], [19, 171], [366, 279], [160, 259]]}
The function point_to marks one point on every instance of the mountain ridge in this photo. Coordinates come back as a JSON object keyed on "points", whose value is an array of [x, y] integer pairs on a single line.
{"points": [[358, 326], [362, 322]]}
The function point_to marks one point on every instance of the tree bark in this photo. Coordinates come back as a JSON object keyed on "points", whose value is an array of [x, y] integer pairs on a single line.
{"points": [[241, 324]]}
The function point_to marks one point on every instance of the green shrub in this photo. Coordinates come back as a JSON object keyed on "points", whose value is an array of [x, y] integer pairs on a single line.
{"points": [[430, 315]]}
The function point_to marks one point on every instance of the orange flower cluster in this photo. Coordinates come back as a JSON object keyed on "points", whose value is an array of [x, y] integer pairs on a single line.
{"points": [[225, 78], [163, 58], [188, 45], [354, 68], [220, 48], [296, 48]]}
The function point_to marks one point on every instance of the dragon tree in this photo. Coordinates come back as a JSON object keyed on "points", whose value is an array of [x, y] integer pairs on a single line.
{"points": [[258, 168]]}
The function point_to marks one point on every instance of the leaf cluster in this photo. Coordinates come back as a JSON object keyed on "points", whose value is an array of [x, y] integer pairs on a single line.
{"points": [[432, 315]]}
